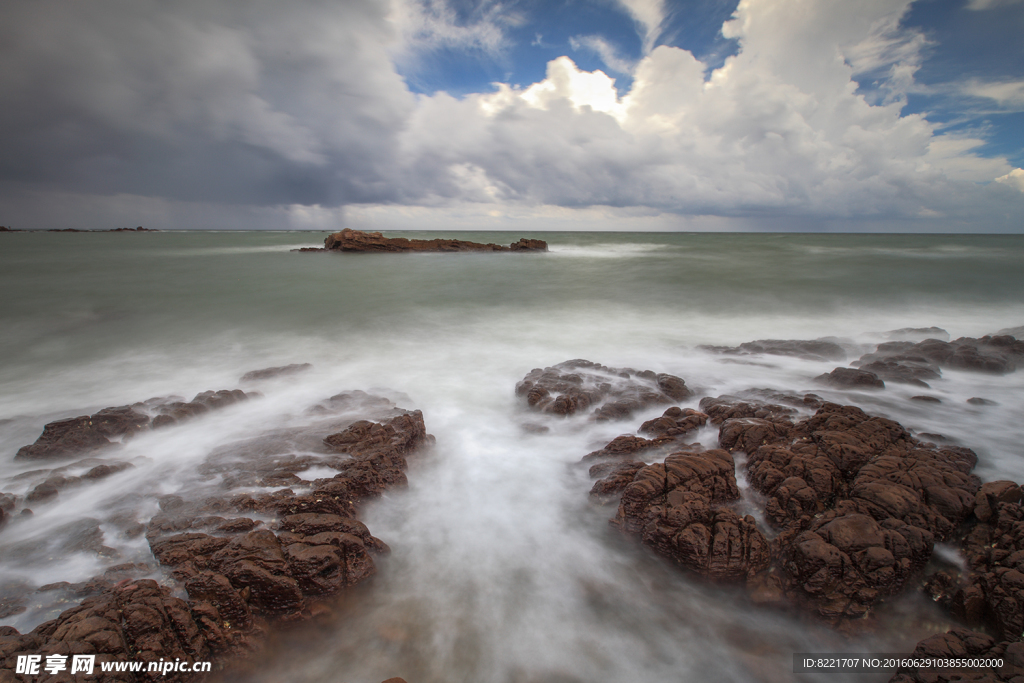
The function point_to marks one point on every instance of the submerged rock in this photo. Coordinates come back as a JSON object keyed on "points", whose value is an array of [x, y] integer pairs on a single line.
{"points": [[280, 371], [582, 386], [722, 408], [851, 378], [917, 334], [315, 548], [675, 422], [998, 354], [84, 434], [245, 560], [902, 372], [349, 240], [88, 433], [813, 349]]}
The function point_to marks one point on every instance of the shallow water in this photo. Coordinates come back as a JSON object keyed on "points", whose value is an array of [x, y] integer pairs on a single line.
{"points": [[501, 570]]}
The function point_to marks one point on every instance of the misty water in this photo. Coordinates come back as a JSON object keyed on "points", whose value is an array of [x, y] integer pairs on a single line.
{"points": [[502, 570]]}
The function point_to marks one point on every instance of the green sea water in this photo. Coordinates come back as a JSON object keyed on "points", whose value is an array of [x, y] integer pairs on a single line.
{"points": [[501, 570]]}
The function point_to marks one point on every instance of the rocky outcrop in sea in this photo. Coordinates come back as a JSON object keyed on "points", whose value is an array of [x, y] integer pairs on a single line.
{"points": [[854, 503], [357, 241]]}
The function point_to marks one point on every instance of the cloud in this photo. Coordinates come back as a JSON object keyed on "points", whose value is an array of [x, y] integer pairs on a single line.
{"points": [[889, 52], [296, 115], [779, 129], [608, 53], [1007, 94], [989, 4], [432, 24], [1014, 178], [650, 15], [202, 101]]}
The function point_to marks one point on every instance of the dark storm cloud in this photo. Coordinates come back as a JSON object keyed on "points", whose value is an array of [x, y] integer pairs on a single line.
{"points": [[255, 102]]}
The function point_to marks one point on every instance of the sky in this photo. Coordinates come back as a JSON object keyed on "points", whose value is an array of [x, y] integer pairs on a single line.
{"points": [[791, 115]]}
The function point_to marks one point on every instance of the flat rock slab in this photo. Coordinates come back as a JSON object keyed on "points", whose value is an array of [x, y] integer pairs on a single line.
{"points": [[359, 241]]}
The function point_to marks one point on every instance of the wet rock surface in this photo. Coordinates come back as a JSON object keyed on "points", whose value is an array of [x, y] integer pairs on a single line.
{"points": [[851, 378], [311, 544], [997, 354], [842, 453], [84, 434], [675, 507], [845, 561], [138, 621], [992, 595], [917, 334], [858, 504], [903, 372], [246, 559], [584, 387], [812, 349], [89, 433], [272, 373], [357, 241]]}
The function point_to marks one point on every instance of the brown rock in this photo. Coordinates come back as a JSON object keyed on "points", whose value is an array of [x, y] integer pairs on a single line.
{"points": [[675, 422], [207, 586], [851, 378], [998, 354], [88, 433], [349, 240], [279, 371], [902, 372], [723, 408], [83, 434], [673, 507], [845, 562], [993, 493], [816, 349], [578, 386], [615, 477], [710, 473], [139, 621], [994, 595], [843, 453]]}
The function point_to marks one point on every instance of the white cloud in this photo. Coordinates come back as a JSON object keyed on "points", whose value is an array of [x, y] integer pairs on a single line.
{"points": [[989, 4], [426, 25], [650, 15], [1007, 94], [891, 53], [608, 53], [779, 128], [581, 88], [1014, 178]]}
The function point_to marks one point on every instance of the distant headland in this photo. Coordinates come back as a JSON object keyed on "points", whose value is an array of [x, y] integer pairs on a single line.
{"points": [[138, 229]]}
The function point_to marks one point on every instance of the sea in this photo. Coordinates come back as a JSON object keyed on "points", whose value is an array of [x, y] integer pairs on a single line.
{"points": [[502, 570]]}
